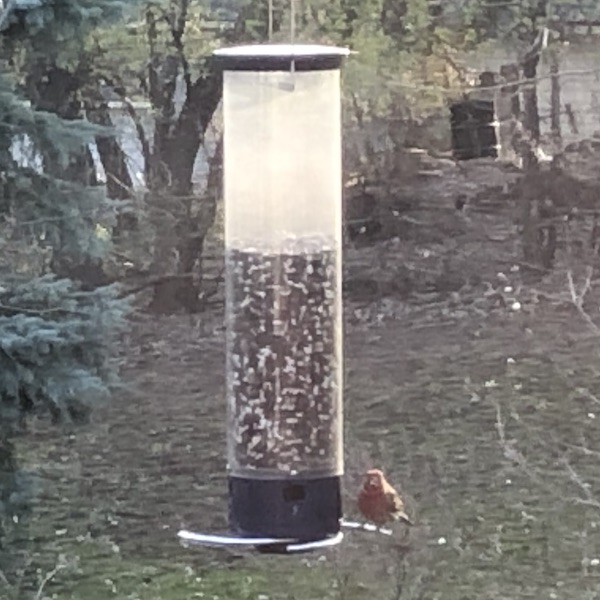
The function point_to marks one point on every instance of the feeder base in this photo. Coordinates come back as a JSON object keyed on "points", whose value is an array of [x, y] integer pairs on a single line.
{"points": [[262, 545], [302, 509]]}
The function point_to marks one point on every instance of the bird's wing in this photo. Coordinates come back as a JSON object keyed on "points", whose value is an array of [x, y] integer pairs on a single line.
{"points": [[396, 508], [394, 502]]}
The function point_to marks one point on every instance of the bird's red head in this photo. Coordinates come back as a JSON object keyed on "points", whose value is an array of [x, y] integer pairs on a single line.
{"points": [[374, 480]]}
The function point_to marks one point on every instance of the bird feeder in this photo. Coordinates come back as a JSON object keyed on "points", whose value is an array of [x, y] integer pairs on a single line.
{"points": [[283, 238], [283, 234]]}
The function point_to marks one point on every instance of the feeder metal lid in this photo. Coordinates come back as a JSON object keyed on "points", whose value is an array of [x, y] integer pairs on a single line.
{"points": [[286, 50], [279, 57]]}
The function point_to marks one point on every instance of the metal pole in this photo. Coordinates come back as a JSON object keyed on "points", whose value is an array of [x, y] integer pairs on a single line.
{"points": [[292, 21], [270, 27]]}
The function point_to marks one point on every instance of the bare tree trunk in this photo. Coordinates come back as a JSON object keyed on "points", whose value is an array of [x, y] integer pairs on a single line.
{"points": [[119, 184], [177, 140]]}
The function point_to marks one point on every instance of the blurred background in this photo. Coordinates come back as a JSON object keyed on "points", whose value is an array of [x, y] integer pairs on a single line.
{"points": [[471, 143]]}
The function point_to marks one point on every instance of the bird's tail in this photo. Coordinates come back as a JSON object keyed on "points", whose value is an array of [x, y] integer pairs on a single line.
{"points": [[402, 516]]}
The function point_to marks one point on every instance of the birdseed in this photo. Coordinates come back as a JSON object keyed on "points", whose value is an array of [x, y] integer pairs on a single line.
{"points": [[284, 368]]}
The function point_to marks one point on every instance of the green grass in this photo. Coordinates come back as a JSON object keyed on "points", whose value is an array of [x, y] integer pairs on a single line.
{"points": [[110, 505], [95, 574]]}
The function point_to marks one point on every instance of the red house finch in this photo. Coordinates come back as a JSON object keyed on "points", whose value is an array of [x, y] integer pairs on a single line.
{"points": [[379, 502]]}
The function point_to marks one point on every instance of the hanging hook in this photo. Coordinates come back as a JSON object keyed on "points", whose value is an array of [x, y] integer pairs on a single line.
{"points": [[292, 40]]}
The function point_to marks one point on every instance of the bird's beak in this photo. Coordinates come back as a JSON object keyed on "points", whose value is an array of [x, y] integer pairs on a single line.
{"points": [[371, 482]]}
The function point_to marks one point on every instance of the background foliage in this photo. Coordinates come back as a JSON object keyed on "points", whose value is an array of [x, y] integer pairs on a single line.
{"points": [[110, 158]]}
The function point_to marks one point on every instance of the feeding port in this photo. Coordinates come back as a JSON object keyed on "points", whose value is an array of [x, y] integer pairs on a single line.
{"points": [[283, 234]]}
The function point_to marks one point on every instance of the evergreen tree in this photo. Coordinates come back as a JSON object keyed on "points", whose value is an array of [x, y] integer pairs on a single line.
{"points": [[57, 336]]}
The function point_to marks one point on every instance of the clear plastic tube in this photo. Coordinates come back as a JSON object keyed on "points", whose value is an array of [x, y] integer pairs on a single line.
{"points": [[283, 228]]}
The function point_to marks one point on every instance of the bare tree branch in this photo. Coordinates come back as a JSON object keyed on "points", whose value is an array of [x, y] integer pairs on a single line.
{"points": [[177, 31], [515, 456], [577, 298]]}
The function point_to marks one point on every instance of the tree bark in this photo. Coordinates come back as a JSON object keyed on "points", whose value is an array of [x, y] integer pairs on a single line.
{"points": [[177, 140], [119, 184]]}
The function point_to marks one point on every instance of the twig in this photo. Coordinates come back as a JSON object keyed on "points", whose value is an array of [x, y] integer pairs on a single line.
{"points": [[512, 454], [584, 450], [589, 395], [589, 499], [121, 184], [177, 26], [47, 578], [164, 279], [401, 571], [577, 298], [453, 91], [39, 312], [6, 13]]}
